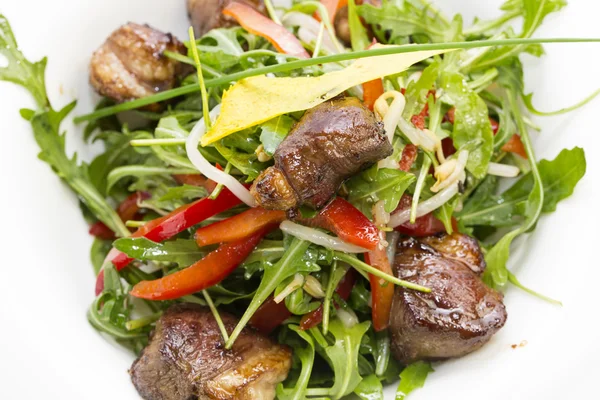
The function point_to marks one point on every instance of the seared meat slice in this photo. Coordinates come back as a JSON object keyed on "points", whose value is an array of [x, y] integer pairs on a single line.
{"points": [[459, 247], [459, 315], [131, 64], [341, 25], [207, 14], [186, 359], [332, 142]]}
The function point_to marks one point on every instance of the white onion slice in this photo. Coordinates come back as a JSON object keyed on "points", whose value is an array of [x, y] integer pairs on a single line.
{"points": [[392, 239], [459, 168], [317, 237], [348, 317], [425, 207], [295, 284], [209, 170], [507, 171], [309, 29]]}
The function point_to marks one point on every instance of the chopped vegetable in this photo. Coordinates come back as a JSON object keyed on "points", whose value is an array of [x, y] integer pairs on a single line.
{"points": [[207, 272], [382, 292], [238, 226], [256, 23]]}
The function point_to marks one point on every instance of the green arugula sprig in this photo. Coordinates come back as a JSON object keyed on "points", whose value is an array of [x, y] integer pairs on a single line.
{"points": [[46, 129]]}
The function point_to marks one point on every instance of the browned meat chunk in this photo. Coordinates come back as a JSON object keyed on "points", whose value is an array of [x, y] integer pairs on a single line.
{"points": [[458, 247], [207, 14], [186, 359], [131, 63], [459, 315], [332, 142], [342, 27]]}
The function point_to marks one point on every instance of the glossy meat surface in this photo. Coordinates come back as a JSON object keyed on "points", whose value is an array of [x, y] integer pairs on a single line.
{"points": [[186, 359], [458, 247], [457, 317], [207, 14], [331, 142], [131, 63]]}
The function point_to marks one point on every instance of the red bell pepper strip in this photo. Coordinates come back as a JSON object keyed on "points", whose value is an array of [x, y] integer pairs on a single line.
{"points": [[409, 155], [239, 226], [331, 6], [209, 271], [256, 23], [425, 225], [382, 292], [515, 145], [171, 224], [269, 316], [348, 223], [101, 231], [343, 290], [371, 92]]}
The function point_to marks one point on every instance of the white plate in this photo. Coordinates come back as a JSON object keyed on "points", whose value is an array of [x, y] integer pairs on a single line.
{"points": [[49, 351]]}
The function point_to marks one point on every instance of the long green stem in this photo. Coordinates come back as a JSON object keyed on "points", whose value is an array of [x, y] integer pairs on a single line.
{"points": [[216, 314], [299, 64], [271, 11], [156, 142], [356, 263], [423, 173], [201, 82]]}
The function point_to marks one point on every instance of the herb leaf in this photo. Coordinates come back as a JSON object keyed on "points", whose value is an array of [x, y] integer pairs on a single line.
{"points": [[20, 70], [369, 388], [274, 131], [472, 128], [307, 358], [181, 251], [412, 377], [293, 261], [376, 184]]}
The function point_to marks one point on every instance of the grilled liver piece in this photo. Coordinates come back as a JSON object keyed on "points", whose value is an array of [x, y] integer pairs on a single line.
{"points": [[459, 315], [207, 14], [186, 359], [331, 142], [131, 64]]}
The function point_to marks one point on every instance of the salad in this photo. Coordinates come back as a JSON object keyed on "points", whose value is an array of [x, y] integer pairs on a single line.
{"points": [[307, 202]]}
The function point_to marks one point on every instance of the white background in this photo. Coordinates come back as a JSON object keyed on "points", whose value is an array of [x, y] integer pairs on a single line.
{"points": [[47, 348]]}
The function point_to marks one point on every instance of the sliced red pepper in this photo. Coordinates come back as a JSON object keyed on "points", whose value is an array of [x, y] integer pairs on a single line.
{"points": [[331, 6], [239, 226], [419, 120], [371, 92], [209, 271], [173, 223], [269, 316], [101, 231], [382, 292], [348, 223], [515, 145], [426, 225], [409, 155], [256, 23], [196, 180], [344, 288]]}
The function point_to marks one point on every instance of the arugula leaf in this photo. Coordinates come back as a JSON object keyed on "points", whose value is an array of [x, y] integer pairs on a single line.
{"points": [[46, 129], [472, 128], [358, 33], [412, 377], [182, 192], [20, 70], [293, 261], [496, 273], [559, 178], [274, 131], [181, 251], [376, 184], [307, 358], [140, 171], [343, 356], [418, 91], [369, 388], [402, 19], [98, 252]]}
